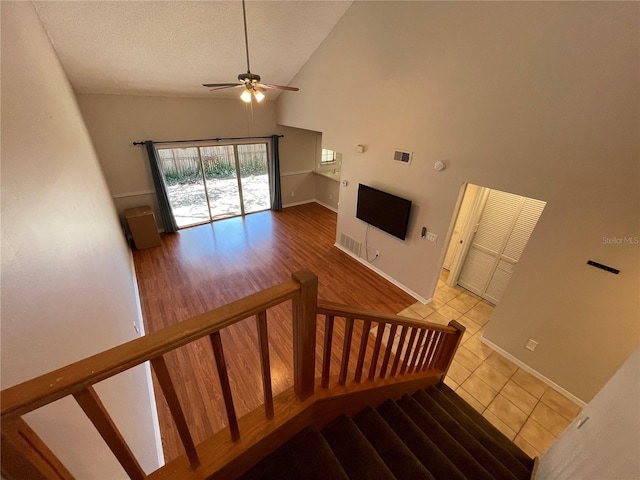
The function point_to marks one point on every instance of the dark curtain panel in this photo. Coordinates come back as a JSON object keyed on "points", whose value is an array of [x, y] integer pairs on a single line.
{"points": [[276, 191], [168, 221]]}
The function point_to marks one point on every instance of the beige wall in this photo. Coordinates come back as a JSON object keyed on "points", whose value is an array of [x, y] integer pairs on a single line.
{"points": [[537, 99], [68, 287], [298, 152], [297, 158], [327, 191], [115, 121]]}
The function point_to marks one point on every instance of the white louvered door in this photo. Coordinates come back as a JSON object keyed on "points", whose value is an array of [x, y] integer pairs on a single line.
{"points": [[503, 231]]}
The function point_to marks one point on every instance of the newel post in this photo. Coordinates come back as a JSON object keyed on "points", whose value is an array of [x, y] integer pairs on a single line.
{"points": [[450, 347], [304, 334]]}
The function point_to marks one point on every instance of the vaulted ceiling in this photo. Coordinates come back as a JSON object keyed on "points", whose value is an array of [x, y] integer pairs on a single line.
{"points": [[171, 47]]}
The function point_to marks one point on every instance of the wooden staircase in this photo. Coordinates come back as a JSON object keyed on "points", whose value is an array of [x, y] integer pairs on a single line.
{"points": [[420, 359]]}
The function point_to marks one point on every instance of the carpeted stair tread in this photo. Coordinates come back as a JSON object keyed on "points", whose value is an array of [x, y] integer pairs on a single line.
{"points": [[358, 458], [402, 463], [462, 459], [432, 435], [496, 449], [496, 434], [441, 467], [464, 438], [306, 456]]}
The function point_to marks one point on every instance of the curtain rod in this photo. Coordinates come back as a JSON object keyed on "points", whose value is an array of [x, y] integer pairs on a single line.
{"points": [[207, 139]]}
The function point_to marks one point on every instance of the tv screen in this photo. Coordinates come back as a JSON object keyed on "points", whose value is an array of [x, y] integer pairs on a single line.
{"points": [[383, 210]]}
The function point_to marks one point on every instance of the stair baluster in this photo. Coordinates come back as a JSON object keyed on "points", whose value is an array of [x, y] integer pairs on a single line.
{"points": [[363, 350], [166, 385], [376, 351], [387, 353], [326, 359], [346, 350], [265, 365], [221, 365]]}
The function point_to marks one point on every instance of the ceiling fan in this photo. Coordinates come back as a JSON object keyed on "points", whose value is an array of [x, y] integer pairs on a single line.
{"points": [[249, 81]]}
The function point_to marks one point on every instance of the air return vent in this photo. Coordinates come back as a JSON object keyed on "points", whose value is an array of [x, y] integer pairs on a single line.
{"points": [[350, 244], [402, 156]]}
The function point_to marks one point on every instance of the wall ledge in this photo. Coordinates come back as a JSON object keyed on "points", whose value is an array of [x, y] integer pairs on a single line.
{"points": [[301, 172]]}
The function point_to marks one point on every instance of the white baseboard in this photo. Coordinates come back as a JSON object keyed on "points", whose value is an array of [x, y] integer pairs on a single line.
{"points": [[329, 207], [533, 372], [295, 204], [384, 275]]}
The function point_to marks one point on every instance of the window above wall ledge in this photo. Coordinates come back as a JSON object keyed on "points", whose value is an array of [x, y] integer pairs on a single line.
{"points": [[330, 162], [328, 157]]}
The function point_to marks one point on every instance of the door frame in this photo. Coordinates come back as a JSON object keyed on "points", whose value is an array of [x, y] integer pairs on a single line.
{"points": [[469, 229]]}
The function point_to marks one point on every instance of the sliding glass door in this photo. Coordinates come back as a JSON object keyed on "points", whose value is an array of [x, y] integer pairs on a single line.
{"points": [[221, 179], [254, 177], [185, 186], [211, 182]]}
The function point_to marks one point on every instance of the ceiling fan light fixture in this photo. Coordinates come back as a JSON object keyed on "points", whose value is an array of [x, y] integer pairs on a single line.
{"points": [[259, 95], [246, 96]]}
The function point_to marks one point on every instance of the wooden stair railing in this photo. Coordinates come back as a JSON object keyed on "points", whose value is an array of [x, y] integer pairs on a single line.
{"points": [[430, 347], [426, 354]]}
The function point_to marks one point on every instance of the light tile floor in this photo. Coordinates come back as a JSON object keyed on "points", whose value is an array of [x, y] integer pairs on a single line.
{"points": [[522, 407]]}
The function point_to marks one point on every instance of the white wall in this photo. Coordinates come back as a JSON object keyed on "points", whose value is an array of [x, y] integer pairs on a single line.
{"points": [[68, 286], [603, 442], [537, 99]]}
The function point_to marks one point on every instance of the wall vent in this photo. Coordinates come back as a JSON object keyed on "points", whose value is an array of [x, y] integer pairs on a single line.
{"points": [[350, 244], [403, 156]]}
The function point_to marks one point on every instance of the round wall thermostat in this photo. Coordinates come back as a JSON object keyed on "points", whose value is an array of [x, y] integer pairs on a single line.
{"points": [[439, 166]]}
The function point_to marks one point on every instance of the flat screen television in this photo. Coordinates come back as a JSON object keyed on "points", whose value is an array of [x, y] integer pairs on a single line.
{"points": [[383, 210]]}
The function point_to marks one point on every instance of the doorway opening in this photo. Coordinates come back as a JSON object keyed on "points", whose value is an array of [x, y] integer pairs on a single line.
{"points": [[490, 233], [211, 182]]}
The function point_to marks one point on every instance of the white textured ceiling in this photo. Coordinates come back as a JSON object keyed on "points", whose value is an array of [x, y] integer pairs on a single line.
{"points": [[172, 47]]}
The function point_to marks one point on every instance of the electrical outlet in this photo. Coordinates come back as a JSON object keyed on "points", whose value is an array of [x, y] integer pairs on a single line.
{"points": [[330, 196], [432, 237], [293, 194], [377, 253], [531, 345]]}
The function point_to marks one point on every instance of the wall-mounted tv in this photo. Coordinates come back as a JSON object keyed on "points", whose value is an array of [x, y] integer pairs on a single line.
{"points": [[383, 210]]}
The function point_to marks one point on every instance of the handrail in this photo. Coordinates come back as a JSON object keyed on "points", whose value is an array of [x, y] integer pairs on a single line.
{"points": [[339, 310], [427, 355], [32, 394]]}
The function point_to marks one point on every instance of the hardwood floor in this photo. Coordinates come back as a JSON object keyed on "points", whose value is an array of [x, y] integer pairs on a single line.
{"points": [[204, 267]]}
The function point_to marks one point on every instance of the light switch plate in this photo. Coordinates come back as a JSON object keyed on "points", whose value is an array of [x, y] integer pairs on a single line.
{"points": [[432, 237]]}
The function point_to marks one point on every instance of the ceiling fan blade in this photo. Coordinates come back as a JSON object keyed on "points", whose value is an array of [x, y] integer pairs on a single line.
{"points": [[221, 85], [279, 87]]}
